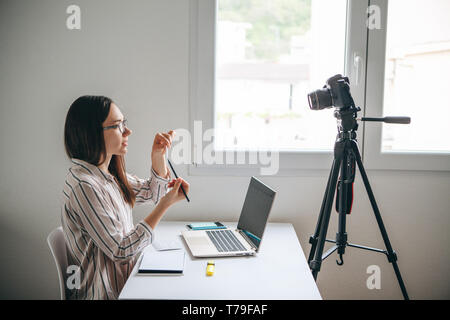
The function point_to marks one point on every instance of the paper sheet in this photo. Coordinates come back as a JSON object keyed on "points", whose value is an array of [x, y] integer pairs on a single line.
{"points": [[164, 245]]}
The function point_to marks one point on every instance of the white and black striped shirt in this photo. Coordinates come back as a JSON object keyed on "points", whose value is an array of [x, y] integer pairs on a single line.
{"points": [[99, 231]]}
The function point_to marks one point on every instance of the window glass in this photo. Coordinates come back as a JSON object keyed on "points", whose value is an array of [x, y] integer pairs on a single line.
{"points": [[269, 55], [417, 76]]}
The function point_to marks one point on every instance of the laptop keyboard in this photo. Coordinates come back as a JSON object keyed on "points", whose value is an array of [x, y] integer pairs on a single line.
{"points": [[225, 240]]}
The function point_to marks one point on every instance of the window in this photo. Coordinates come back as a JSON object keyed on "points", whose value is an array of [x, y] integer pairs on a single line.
{"points": [[413, 45], [240, 82]]}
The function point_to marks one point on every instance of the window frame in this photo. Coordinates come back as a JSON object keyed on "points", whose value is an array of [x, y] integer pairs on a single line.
{"points": [[202, 87], [374, 158]]}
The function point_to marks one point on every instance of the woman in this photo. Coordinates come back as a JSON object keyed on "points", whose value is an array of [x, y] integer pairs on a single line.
{"points": [[99, 196]]}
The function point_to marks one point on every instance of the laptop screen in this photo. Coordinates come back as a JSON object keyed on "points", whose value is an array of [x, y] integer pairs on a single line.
{"points": [[256, 209]]}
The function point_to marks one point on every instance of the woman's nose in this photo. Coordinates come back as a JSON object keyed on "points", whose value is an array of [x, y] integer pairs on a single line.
{"points": [[127, 132]]}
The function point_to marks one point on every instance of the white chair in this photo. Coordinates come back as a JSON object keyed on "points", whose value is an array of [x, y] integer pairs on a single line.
{"points": [[57, 245]]}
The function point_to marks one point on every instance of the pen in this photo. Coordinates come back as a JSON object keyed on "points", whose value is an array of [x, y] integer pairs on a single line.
{"points": [[182, 189]]}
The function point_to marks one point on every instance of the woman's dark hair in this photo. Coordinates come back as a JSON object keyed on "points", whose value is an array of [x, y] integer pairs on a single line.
{"points": [[84, 140]]}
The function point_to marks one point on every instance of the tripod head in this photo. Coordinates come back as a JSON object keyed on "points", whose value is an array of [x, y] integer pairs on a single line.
{"points": [[348, 122], [346, 119]]}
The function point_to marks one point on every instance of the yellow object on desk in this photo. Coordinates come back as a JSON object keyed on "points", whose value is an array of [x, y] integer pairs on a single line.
{"points": [[210, 268]]}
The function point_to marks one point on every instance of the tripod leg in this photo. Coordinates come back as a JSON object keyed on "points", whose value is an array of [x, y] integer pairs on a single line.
{"points": [[313, 239], [316, 263], [341, 198], [392, 257]]}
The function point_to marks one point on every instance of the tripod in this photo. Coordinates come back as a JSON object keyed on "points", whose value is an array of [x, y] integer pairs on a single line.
{"points": [[346, 153]]}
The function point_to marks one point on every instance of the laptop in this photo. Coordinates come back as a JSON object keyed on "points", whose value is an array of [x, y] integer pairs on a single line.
{"points": [[243, 241]]}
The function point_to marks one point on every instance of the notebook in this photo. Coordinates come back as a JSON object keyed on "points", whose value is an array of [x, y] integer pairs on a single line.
{"points": [[162, 262]]}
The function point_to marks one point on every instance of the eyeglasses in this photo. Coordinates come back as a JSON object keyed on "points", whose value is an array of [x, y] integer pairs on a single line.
{"points": [[122, 125]]}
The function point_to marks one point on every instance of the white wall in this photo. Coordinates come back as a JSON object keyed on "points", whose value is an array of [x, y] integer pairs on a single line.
{"points": [[137, 53]]}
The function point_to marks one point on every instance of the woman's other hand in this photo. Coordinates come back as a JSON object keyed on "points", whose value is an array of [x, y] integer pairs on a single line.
{"points": [[161, 143]]}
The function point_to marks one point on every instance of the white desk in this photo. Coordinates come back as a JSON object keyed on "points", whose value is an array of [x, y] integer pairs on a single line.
{"points": [[279, 271]]}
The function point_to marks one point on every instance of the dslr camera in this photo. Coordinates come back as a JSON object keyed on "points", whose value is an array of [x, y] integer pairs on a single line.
{"points": [[335, 93]]}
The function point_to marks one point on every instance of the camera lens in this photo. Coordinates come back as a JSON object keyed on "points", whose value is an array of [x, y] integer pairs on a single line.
{"points": [[320, 99]]}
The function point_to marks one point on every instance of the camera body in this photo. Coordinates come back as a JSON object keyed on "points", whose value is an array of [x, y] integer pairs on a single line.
{"points": [[335, 93]]}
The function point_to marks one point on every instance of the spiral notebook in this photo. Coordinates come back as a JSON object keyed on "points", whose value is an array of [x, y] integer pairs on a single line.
{"points": [[162, 262]]}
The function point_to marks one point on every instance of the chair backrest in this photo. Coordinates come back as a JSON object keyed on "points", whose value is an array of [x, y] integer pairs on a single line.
{"points": [[57, 245]]}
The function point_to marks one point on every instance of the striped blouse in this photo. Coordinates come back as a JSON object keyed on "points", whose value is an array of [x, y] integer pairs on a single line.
{"points": [[102, 241]]}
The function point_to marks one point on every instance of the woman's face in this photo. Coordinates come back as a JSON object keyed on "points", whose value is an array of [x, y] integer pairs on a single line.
{"points": [[116, 142]]}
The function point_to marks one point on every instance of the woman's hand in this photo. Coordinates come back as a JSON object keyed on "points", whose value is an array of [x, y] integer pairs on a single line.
{"points": [[171, 197], [161, 143], [176, 194]]}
